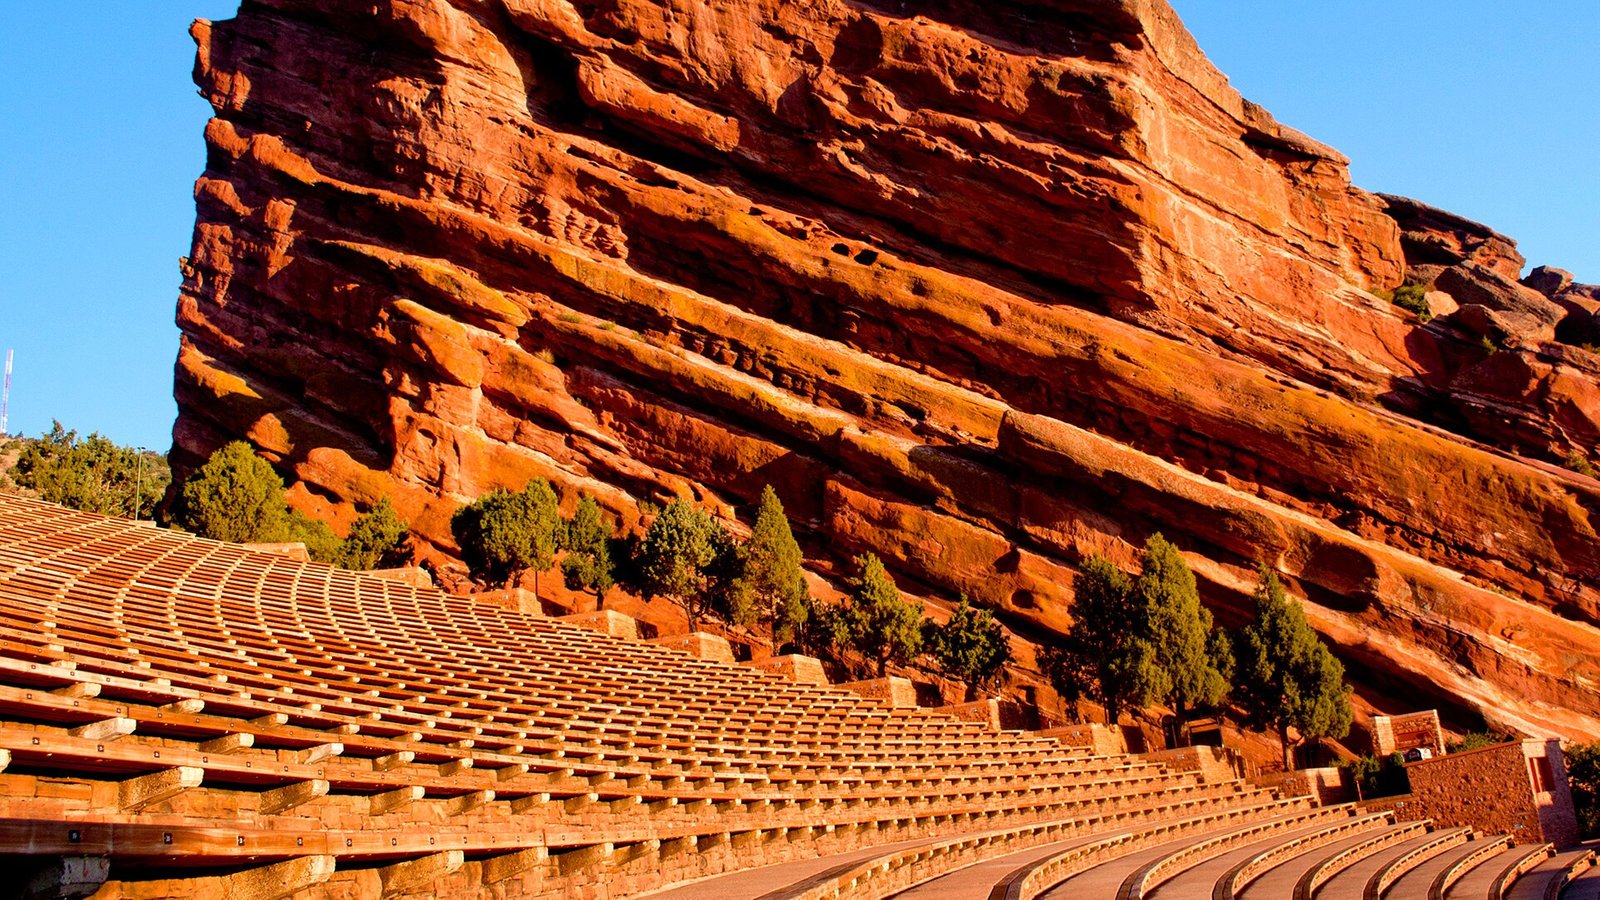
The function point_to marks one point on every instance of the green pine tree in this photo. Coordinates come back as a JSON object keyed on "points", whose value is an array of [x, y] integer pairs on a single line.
{"points": [[321, 543], [823, 631], [679, 559], [493, 534], [587, 565], [376, 538], [92, 474], [1219, 645], [235, 496], [1288, 680], [1181, 632], [729, 594], [546, 530], [504, 534], [1108, 654], [881, 625], [771, 570], [970, 646], [1583, 777]]}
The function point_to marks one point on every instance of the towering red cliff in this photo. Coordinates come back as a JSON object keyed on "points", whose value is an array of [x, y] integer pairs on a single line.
{"points": [[984, 288]]}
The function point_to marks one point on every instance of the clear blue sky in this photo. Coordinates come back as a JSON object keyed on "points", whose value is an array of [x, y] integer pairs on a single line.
{"points": [[1488, 109]]}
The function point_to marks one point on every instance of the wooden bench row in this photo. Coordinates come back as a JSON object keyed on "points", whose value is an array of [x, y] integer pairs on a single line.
{"points": [[100, 736], [178, 713], [163, 695], [934, 751], [867, 722]]}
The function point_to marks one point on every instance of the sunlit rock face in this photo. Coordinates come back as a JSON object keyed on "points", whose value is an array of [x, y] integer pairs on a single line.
{"points": [[982, 288]]}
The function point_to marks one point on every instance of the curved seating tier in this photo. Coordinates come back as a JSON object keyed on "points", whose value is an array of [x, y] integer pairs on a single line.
{"points": [[1584, 884], [1288, 870], [1487, 874], [1373, 878], [1547, 879], [183, 717]]}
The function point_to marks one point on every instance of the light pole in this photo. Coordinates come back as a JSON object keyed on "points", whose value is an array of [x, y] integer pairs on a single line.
{"points": [[138, 479]]}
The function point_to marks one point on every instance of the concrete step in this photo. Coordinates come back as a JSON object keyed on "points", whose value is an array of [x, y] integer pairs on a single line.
{"points": [[1350, 882], [1419, 881], [1545, 880], [1124, 874], [1201, 880], [1488, 879], [1586, 886]]}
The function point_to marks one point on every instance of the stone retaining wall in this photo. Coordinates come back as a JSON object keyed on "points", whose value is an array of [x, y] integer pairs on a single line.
{"points": [[1518, 789]]}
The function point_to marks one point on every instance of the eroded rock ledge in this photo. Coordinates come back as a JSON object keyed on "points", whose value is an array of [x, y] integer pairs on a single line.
{"points": [[984, 288]]}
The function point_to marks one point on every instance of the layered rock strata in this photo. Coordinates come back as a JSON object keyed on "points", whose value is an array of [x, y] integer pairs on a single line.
{"points": [[983, 288]]}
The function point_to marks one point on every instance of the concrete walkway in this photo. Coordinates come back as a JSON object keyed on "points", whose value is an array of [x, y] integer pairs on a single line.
{"points": [[977, 880], [1103, 880], [1585, 886], [749, 883]]}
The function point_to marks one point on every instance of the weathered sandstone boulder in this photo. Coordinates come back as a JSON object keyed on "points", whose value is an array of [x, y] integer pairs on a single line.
{"points": [[1525, 314], [1580, 302], [1438, 238], [1548, 280], [1480, 310]]}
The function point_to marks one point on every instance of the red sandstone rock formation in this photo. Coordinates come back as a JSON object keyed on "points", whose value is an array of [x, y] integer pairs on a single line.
{"points": [[984, 288]]}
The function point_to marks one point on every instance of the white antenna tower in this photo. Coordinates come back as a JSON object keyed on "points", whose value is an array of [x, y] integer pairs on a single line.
{"points": [[5, 398]]}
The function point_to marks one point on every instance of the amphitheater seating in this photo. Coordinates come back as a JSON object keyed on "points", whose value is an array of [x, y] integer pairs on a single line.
{"points": [[1372, 876], [1491, 876], [1584, 884], [182, 717], [1547, 879]]}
